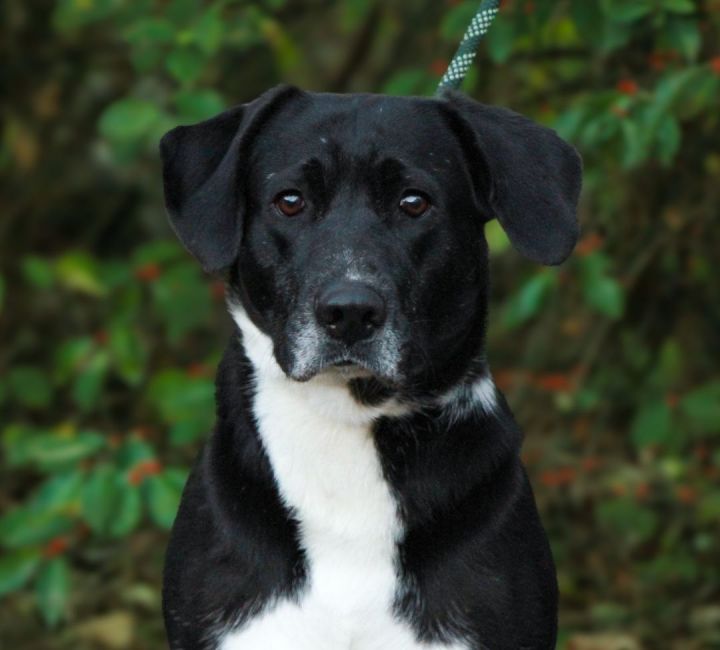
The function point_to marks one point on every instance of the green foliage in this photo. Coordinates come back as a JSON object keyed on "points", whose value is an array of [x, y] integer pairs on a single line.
{"points": [[602, 292], [53, 588], [529, 299], [111, 333], [702, 407], [16, 569]]}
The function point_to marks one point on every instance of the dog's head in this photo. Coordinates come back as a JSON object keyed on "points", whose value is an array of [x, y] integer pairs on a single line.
{"points": [[352, 225]]}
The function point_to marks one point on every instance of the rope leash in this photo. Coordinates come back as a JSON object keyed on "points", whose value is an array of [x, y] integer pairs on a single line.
{"points": [[465, 55]]}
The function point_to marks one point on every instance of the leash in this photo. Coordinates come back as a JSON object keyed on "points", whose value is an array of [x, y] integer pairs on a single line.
{"points": [[463, 58]]}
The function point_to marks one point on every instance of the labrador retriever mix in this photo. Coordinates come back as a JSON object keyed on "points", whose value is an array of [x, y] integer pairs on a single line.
{"points": [[362, 488]]}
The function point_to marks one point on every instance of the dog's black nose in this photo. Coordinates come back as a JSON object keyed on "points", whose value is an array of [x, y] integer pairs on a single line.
{"points": [[350, 311]]}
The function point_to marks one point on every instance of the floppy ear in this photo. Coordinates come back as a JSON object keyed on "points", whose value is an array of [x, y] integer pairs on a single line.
{"points": [[526, 176], [203, 174]]}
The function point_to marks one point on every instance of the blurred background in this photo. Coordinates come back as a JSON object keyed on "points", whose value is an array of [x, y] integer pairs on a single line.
{"points": [[110, 333]]}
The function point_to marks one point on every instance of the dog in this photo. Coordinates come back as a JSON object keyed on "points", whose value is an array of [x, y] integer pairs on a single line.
{"points": [[362, 488]]}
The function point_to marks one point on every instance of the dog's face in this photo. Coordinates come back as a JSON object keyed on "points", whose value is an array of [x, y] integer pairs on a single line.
{"points": [[352, 225]]}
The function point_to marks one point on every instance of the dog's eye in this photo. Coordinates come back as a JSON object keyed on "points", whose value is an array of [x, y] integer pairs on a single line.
{"points": [[414, 204], [289, 202]]}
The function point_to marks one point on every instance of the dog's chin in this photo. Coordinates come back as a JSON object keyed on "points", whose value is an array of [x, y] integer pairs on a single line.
{"points": [[344, 370]]}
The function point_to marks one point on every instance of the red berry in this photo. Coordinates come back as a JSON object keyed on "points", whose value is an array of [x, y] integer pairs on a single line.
{"points": [[55, 547], [148, 272], [627, 86]]}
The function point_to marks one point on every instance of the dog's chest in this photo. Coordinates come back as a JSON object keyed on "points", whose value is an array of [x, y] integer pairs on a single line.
{"points": [[328, 472]]}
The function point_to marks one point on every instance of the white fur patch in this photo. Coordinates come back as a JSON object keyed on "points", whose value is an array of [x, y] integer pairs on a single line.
{"points": [[320, 445], [461, 400]]}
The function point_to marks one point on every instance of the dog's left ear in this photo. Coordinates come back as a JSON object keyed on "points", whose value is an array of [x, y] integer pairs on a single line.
{"points": [[526, 175], [203, 175]]}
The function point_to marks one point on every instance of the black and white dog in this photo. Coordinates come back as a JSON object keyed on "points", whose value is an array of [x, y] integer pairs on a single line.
{"points": [[362, 489]]}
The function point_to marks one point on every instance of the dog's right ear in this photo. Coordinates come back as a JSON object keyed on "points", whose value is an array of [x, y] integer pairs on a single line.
{"points": [[203, 173]]}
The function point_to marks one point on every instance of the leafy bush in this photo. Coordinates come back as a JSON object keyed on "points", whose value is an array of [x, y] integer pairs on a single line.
{"points": [[111, 333]]}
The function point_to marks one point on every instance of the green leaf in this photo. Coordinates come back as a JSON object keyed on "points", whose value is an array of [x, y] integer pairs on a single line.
{"points": [[679, 6], [185, 64], [209, 30], [635, 147], [87, 387], [683, 34], [148, 39], [100, 495], [163, 498], [496, 237], [110, 506], [129, 119], [702, 407], [182, 297], [596, 28], [160, 251], [78, 270], [456, 21], [529, 299], [600, 129], [177, 476], [150, 30], [500, 38], [628, 519], [180, 398], [651, 424], [53, 450], [30, 386], [196, 105], [668, 139], [133, 451], [600, 290], [187, 431], [25, 526], [570, 123], [407, 82], [625, 11], [52, 590], [129, 353], [670, 364], [16, 569], [606, 296], [672, 91], [60, 493], [37, 271], [14, 441], [127, 514], [182, 11], [70, 356]]}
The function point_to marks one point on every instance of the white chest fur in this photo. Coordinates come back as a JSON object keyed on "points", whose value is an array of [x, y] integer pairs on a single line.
{"points": [[321, 449]]}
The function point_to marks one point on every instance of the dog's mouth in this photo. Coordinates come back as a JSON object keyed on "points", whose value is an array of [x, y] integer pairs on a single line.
{"points": [[347, 367], [343, 363], [350, 367]]}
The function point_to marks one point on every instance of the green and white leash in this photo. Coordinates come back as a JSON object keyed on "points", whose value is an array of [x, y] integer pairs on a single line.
{"points": [[465, 55]]}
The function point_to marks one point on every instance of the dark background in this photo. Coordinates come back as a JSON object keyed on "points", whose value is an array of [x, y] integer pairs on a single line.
{"points": [[110, 333]]}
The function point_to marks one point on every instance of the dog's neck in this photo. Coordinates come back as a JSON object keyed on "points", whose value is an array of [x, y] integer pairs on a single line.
{"points": [[331, 455]]}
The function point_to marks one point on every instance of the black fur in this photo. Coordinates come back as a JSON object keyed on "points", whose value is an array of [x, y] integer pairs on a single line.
{"points": [[474, 562]]}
